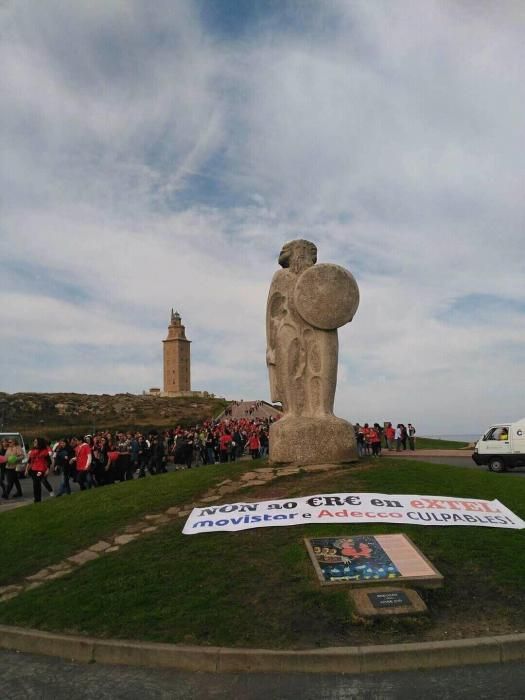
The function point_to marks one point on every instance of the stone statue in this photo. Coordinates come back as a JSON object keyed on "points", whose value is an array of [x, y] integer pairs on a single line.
{"points": [[306, 305]]}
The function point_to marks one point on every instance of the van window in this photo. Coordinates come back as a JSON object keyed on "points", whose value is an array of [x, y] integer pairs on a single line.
{"points": [[501, 433]]}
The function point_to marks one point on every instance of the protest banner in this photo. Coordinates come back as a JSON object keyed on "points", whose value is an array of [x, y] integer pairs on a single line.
{"points": [[353, 508]]}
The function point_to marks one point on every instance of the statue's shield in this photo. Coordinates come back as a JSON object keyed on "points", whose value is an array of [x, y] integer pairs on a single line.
{"points": [[326, 296]]}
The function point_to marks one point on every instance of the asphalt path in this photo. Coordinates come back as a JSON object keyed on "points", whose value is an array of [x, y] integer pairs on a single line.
{"points": [[28, 677], [55, 481], [27, 486], [27, 490], [468, 463]]}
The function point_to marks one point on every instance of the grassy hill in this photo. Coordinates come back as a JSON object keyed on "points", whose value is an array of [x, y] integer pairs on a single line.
{"points": [[52, 415], [257, 587]]}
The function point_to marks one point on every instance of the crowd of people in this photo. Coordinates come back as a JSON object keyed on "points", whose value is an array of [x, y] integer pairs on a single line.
{"points": [[371, 438], [104, 458]]}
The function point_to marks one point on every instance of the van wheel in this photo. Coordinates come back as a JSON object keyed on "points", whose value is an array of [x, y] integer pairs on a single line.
{"points": [[497, 465]]}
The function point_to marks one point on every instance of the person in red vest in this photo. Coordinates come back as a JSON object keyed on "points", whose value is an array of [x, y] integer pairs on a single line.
{"points": [[374, 437], [224, 445], [254, 445], [389, 436], [82, 459], [39, 462], [111, 464]]}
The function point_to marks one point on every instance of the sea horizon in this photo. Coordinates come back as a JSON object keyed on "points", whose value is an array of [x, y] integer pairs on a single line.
{"points": [[460, 437]]}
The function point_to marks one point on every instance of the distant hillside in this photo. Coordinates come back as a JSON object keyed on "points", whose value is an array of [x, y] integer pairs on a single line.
{"points": [[53, 414]]}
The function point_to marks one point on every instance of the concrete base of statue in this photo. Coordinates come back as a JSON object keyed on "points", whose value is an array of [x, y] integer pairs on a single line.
{"points": [[302, 440]]}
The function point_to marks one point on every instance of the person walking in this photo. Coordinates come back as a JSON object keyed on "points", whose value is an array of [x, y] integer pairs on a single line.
{"points": [[14, 456], [99, 461], [144, 456], [225, 445], [160, 455], [398, 437], [411, 436], [390, 434], [62, 455], [134, 450], [83, 459], [263, 439], [210, 447], [39, 462], [375, 440], [254, 445], [366, 437], [3, 460], [404, 436], [360, 439], [124, 461]]}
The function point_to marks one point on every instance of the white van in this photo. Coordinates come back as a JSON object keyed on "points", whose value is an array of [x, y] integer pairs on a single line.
{"points": [[502, 447]]}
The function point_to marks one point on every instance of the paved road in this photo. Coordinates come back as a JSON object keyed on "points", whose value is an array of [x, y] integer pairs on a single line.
{"points": [[465, 462], [468, 463], [27, 490], [55, 481], [27, 677]]}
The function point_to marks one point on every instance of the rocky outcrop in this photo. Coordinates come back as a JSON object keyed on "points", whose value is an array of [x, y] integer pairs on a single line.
{"points": [[49, 412]]}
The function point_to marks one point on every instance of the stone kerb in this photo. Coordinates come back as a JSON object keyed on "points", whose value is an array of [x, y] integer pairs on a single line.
{"points": [[373, 659]]}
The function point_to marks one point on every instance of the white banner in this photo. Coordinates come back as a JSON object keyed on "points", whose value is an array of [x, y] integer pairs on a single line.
{"points": [[352, 508]]}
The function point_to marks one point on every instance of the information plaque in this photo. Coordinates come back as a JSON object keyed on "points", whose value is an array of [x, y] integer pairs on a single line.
{"points": [[371, 559]]}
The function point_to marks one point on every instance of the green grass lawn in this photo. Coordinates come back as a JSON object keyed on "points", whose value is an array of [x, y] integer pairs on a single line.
{"points": [[41, 534], [424, 443], [258, 587]]}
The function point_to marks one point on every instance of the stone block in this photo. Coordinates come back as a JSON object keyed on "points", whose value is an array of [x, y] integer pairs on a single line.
{"points": [[132, 529], [63, 566], [227, 489], [266, 475], [42, 574], [35, 584], [83, 557], [125, 539], [58, 574], [10, 589], [100, 546], [302, 440], [387, 601], [159, 518], [162, 519]]}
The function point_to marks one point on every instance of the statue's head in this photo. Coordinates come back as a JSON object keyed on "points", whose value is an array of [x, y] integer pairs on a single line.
{"points": [[298, 255]]}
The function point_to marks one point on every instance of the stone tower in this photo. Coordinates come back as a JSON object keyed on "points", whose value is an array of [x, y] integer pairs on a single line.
{"points": [[176, 357]]}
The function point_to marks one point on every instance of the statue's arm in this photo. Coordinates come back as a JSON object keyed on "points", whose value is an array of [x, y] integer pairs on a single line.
{"points": [[274, 314], [270, 336]]}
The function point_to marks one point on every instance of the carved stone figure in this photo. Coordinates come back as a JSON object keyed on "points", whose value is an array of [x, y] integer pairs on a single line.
{"points": [[306, 305]]}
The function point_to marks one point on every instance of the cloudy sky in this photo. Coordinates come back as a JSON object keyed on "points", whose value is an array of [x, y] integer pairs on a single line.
{"points": [[157, 154]]}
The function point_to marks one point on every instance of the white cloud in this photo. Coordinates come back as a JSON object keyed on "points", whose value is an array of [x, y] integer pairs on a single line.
{"points": [[151, 163]]}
